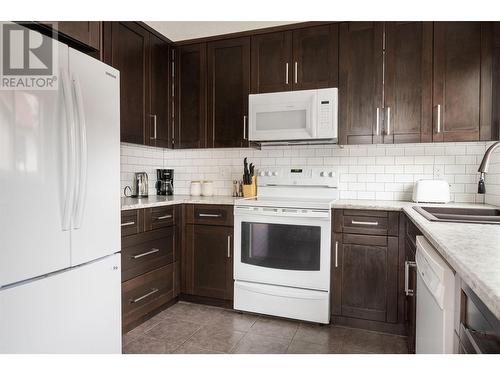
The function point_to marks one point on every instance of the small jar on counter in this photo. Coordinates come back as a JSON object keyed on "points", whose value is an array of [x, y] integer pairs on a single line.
{"points": [[195, 188], [207, 188]]}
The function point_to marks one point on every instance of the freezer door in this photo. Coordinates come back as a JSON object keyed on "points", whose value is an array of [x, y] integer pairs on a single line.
{"points": [[34, 180], [96, 215], [74, 311]]}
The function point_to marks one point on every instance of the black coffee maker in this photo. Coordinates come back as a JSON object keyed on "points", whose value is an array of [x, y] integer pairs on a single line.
{"points": [[164, 182]]}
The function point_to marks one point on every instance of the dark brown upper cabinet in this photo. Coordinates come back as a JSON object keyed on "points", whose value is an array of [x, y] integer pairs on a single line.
{"points": [[360, 82], [87, 33], [315, 57], [160, 128], [191, 76], [143, 61], [408, 82], [271, 67], [228, 89], [127, 49], [301, 59], [462, 88]]}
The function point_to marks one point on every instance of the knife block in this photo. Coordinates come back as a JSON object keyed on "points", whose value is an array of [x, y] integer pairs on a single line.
{"points": [[250, 191]]}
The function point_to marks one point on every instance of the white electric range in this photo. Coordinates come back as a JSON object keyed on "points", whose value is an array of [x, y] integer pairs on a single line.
{"points": [[282, 244]]}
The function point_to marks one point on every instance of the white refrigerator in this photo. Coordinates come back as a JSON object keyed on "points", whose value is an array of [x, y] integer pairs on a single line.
{"points": [[60, 212]]}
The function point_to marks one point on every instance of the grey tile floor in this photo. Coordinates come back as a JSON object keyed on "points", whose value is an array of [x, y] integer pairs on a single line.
{"points": [[188, 328]]}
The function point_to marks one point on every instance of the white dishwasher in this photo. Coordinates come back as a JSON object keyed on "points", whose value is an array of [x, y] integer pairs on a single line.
{"points": [[435, 301]]}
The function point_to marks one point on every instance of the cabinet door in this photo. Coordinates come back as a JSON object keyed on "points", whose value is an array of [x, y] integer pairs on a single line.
{"points": [[129, 53], [315, 57], [210, 252], [360, 82], [159, 115], [408, 82], [462, 81], [271, 69], [369, 277], [228, 89], [86, 32], [190, 131]]}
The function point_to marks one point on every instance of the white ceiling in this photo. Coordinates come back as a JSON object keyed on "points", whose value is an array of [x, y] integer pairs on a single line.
{"points": [[182, 30]]}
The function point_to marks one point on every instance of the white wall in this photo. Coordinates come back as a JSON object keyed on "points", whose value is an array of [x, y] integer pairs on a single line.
{"points": [[382, 172]]}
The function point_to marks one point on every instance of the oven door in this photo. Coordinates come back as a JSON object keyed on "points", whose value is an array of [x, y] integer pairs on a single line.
{"points": [[281, 246]]}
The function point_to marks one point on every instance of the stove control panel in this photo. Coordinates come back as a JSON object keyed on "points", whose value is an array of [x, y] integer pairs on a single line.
{"points": [[306, 176]]}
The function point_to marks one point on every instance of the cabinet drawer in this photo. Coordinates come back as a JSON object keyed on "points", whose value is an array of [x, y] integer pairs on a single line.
{"points": [[210, 214], [142, 257], [159, 217], [146, 292], [370, 222], [130, 222]]}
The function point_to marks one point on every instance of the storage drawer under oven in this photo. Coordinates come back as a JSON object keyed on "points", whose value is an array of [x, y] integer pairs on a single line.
{"points": [[146, 252]]}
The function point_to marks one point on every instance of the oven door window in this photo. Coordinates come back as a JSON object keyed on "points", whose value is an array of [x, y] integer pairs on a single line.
{"points": [[280, 246]]}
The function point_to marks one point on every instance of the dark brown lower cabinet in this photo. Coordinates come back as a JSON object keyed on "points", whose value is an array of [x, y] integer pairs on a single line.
{"points": [[366, 271], [150, 262], [210, 247], [207, 261], [368, 277], [410, 306]]}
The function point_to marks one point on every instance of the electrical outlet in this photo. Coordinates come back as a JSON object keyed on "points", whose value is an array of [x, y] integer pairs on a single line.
{"points": [[438, 172]]}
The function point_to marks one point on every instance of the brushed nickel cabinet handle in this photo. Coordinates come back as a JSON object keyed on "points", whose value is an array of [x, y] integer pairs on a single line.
{"points": [[244, 127], [152, 251], [286, 73], [229, 246], [296, 65], [138, 299], [355, 222], [377, 128], [209, 215], [128, 223], [408, 264], [164, 217], [336, 254], [388, 120], [154, 126], [439, 118]]}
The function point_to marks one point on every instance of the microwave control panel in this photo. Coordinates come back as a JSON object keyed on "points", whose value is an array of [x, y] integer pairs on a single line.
{"points": [[327, 100]]}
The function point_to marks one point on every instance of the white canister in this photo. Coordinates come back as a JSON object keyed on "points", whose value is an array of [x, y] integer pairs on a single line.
{"points": [[207, 188], [196, 188]]}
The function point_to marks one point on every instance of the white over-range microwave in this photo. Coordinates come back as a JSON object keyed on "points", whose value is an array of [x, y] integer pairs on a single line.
{"points": [[305, 115]]}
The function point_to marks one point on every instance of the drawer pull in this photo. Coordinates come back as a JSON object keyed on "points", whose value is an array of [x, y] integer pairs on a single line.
{"points": [[336, 254], [408, 264], [210, 215], [138, 299], [164, 217], [229, 246], [374, 223], [152, 251], [128, 223]]}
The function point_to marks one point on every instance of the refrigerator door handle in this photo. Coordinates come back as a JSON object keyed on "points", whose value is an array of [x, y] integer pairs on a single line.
{"points": [[81, 186], [70, 152]]}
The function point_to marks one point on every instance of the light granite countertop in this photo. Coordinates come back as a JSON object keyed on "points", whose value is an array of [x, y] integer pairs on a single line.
{"points": [[472, 250], [128, 203]]}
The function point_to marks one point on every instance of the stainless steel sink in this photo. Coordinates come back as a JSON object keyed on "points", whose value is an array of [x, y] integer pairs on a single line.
{"points": [[460, 215]]}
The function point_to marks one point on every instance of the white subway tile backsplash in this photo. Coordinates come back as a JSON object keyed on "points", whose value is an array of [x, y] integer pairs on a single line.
{"points": [[366, 171]]}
